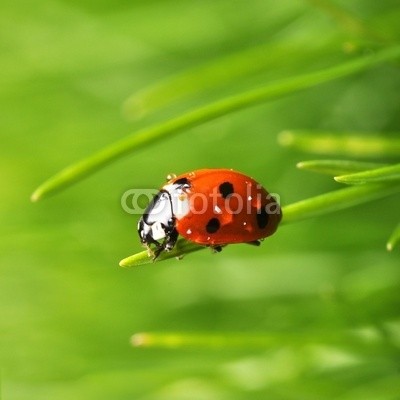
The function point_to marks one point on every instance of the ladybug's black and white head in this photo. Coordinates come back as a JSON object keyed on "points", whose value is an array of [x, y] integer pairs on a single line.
{"points": [[157, 224]]}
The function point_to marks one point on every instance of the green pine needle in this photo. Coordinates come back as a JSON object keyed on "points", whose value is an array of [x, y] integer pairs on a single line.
{"points": [[389, 173], [149, 135], [181, 248], [337, 167], [336, 200]]}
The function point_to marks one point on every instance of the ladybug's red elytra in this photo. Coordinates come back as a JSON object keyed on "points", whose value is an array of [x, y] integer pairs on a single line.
{"points": [[210, 207]]}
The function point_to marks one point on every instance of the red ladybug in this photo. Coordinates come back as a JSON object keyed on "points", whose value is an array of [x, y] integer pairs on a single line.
{"points": [[211, 207]]}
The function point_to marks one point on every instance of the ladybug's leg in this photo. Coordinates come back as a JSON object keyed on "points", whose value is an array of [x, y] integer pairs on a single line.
{"points": [[157, 251], [153, 253], [168, 243], [216, 249], [254, 243], [170, 240]]}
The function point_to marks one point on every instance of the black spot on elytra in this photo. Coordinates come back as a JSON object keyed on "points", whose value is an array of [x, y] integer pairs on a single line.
{"points": [[212, 225], [226, 189], [262, 218], [182, 181]]}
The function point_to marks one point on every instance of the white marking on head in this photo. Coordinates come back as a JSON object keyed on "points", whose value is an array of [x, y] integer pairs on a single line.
{"points": [[179, 199], [157, 231]]}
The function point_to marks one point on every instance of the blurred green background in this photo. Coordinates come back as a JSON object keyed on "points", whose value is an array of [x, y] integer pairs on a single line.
{"points": [[325, 289]]}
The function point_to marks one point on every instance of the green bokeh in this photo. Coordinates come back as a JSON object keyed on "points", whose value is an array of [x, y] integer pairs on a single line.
{"points": [[68, 311]]}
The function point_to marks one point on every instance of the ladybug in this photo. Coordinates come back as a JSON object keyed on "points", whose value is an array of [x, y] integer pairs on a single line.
{"points": [[210, 207]]}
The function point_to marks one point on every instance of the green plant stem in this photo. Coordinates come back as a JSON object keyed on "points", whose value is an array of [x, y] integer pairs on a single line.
{"points": [[209, 112], [384, 174], [309, 208]]}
